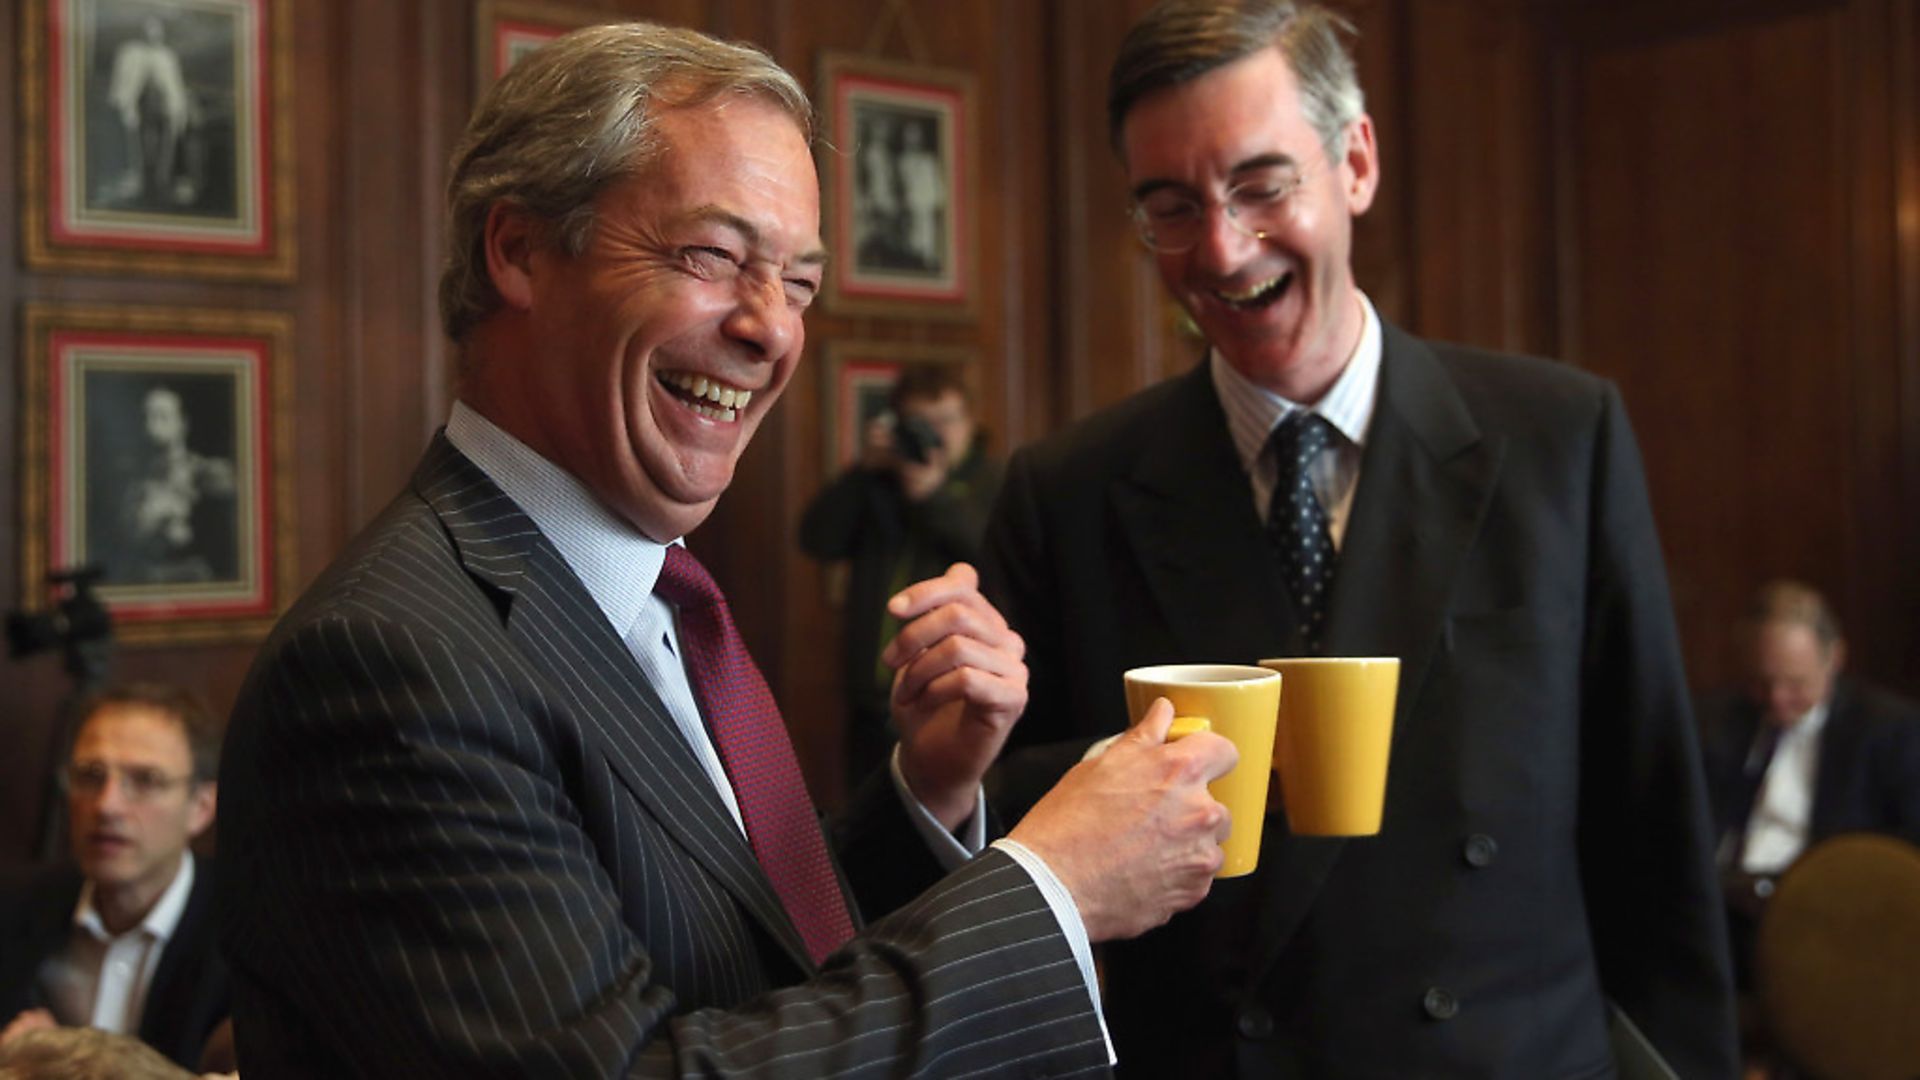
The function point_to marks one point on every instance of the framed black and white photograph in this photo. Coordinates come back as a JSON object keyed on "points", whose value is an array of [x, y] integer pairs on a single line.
{"points": [[507, 30], [156, 450], [898, 162], [859, 381], [158, 137]]}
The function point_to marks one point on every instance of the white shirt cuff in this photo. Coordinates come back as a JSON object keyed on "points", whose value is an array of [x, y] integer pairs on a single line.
{"points": [[1068, 913], [949, 849]]}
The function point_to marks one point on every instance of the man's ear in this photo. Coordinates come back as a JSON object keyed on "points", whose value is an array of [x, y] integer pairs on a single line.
{"points": [[202, 801], [510, 237], [1362, 173]]}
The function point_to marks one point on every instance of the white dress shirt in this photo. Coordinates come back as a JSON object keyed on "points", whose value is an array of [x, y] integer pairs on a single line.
{"points": [[1782, 812], [1254, 411], [101, 979], [619, 565]]}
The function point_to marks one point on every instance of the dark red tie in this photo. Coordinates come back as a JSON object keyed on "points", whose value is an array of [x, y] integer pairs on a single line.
{"points": [[758, 756]]}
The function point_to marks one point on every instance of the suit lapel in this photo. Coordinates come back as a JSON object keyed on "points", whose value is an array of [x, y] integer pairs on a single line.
{"points": [[1839, 749], [1426, 478], [1187, 511], [181, 984], [554, 622]]}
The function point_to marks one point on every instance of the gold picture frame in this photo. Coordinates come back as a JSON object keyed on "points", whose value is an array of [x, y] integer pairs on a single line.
{"points": [[506, 30], [157, 137], [899, 163], [858, 375], [156, 444]]}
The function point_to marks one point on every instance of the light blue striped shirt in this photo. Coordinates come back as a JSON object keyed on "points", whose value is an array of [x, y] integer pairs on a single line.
{"points": [[1254, 411]]}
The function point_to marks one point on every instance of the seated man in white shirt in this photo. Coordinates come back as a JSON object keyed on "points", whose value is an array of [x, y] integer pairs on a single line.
{"points": [[122, 939], [1801, 752]]}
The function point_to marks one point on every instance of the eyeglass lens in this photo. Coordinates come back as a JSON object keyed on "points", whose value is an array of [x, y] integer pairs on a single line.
{"points": [[1173, 221], [139, 781]]}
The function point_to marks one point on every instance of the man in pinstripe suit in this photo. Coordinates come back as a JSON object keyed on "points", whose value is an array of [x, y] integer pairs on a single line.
{"points": [[476, 819]]}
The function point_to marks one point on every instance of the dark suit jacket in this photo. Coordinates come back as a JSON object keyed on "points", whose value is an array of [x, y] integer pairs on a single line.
{"points": [[1545, 843], [1868, 776], [188, 996], [467, 840]]}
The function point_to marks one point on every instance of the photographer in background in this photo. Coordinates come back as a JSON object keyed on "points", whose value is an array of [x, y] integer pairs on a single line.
{"points": [[915, 503]]}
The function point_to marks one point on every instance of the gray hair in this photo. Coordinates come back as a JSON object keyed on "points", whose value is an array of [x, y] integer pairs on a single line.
{"points": [[78, 1053], [1787, 601], [572, 118], [1180, 40]]}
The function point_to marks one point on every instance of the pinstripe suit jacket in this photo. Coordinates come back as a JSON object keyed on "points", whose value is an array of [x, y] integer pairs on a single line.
{"points": [[466, 840]]}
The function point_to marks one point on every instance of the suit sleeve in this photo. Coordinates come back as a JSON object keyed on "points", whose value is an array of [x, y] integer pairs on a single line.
{"points": [[1646, 841], [1896, 767], [414, 892], [1016, 576]]}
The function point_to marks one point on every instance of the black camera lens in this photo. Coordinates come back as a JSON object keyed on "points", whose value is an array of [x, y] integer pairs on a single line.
{"points": [[915, 439], [76, 618]]}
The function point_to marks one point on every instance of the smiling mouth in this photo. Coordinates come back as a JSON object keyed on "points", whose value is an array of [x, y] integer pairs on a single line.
{"points": [[1261, 294], [706, 396]]}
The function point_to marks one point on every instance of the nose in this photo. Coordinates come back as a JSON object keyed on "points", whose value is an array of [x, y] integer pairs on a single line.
{"points": [[764, 319], [112, 795], [1225, 245], [1780, 702]]}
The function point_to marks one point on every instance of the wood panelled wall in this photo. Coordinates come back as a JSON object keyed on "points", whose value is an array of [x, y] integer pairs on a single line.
{"points": [[1716, 204]]}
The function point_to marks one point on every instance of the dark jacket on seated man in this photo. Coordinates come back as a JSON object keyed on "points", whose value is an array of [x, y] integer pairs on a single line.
{"points": [[1866, 777], [188, 996], [1867, 774]]}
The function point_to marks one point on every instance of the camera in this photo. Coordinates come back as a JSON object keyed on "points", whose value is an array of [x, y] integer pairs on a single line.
{"points": [[78, 619], [80, 626], [915, 439]]}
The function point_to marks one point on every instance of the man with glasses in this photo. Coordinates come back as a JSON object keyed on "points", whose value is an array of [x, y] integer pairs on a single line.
{"points": [[1323, 483], [507, 794], [123, 939]]}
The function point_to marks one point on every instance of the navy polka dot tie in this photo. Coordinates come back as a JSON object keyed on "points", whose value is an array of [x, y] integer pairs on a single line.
{"points": [[1297, 523], [758, 756]]}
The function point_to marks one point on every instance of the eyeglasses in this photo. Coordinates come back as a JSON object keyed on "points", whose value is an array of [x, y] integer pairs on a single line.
{"points": [[1172, 221], [139, 782]]}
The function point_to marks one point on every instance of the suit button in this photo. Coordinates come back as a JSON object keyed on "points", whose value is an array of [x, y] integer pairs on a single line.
{"points": [[1480, 851], [1255, 1022], [1440, 1004]]}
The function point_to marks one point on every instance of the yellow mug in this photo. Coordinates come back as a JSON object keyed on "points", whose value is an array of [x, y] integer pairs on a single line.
{"points": [[1239, 703], [1336, 727]]}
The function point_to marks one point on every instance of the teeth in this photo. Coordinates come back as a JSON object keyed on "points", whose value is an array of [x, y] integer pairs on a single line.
{"points": [[1253, 293], [727, 398], [711, 413]]}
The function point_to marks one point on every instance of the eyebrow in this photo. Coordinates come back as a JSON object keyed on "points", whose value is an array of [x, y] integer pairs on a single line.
{"points": [[1273, 160], [749, 232]]}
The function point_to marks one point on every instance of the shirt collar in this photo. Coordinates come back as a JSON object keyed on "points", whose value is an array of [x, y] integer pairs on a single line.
{"points": [[615, 561], [163, 918], [1253, 411], [1809, 726]]}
